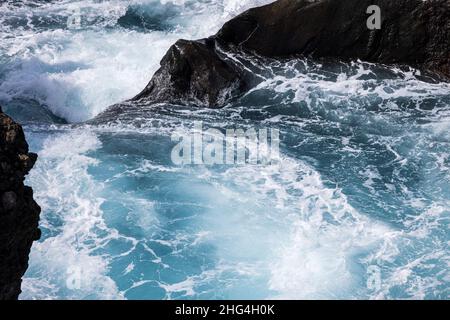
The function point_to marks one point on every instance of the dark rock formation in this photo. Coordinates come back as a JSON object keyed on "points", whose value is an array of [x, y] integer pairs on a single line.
{"points": [[193, 71], [413, 32], [19, 213]]}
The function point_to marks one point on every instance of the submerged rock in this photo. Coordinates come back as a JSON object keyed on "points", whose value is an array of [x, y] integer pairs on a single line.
{"points": [[19, 213], [413, 32]]}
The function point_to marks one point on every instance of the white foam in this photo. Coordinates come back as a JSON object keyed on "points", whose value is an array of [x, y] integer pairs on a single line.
{"points": [[67, 193], [305, 244], [310, 84]]}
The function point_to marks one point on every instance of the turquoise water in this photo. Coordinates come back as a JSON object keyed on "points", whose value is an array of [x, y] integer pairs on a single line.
{"points": [[357, 206]]}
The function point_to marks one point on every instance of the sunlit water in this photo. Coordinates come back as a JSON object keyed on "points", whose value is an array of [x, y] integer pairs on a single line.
{"points": [[357, 206]]}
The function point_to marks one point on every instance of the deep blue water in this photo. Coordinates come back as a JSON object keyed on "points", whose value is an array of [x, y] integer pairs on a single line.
{"points": [[357, 206]]}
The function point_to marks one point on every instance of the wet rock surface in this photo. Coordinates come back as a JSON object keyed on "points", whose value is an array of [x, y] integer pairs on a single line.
{"points": [[19, 213], [193, 71]]}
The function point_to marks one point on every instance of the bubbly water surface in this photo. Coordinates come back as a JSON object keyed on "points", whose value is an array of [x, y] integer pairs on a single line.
{"points": [[357, 206]]}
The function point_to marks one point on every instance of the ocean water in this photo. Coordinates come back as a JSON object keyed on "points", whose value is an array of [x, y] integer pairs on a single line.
{"points": [[357, 206]]}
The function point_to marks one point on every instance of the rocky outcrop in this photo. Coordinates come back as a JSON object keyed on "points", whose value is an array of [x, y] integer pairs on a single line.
{"points": [[413, 32], [193, 71], [19, 213]]}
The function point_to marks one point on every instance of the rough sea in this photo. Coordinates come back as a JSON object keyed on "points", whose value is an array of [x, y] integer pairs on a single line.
{"points": [[358, 205]]}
